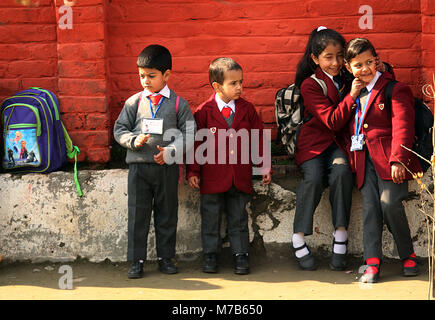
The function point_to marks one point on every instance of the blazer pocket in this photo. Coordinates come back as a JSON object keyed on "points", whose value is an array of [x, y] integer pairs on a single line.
{"points": [[385, 144]]}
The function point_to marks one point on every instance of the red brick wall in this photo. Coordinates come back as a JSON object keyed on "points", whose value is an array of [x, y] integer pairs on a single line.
{"points": [[92, 67]]}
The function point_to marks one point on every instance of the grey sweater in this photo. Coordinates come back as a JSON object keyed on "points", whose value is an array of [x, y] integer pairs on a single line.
{"points": [[178, 130]]}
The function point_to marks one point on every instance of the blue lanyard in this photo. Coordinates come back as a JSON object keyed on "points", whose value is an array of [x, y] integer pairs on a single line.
{"points": [[358, 122], [153, 115]]}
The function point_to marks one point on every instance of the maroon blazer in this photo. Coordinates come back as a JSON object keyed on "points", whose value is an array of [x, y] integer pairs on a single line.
{"points": [[218, 178], [385, 130], [329, 122]]}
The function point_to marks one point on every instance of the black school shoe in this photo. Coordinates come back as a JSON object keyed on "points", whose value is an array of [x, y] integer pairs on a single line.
{"points": [[338, 260], [210, 263], [136, 270], [411, 271], [241, 264], [307, 262], [167, 266]]}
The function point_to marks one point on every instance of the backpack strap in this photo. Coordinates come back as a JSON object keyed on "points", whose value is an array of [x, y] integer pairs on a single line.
{"points": [[176, 104], [389, 93], [321, 83]]}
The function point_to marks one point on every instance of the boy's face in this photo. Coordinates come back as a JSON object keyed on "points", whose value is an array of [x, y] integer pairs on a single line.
{"points": [[331, 59], [231, 88], [363, 66], [152, 79]]}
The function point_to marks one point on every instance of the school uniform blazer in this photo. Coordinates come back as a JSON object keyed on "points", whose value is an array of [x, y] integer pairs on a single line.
{"points": [[329, 122], [386, 130], [218, 178]]}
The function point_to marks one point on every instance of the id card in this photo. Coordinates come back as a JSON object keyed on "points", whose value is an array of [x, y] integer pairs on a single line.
{"points": [[357, 142], [154, 126]]}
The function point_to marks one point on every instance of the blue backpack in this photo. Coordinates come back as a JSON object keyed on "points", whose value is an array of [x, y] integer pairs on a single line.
{"points": [[34, 137]]}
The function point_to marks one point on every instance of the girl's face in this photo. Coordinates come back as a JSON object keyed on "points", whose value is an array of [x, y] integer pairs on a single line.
{"points": [[363, 66], [232, 87], [331, 59]]}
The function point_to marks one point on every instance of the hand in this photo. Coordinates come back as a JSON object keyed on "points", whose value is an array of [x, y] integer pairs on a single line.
{"points": [[380, 66], [193, 182], [357, 85], [267, 178], [398, 173], [141, 140], [158, 158]]}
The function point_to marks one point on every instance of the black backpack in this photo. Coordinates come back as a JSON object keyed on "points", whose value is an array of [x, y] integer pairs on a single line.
{"points": [[289, 112], [423, 144]]}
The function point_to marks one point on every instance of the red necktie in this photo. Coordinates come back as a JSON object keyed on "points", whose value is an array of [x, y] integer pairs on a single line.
{"points": [[226, 112], [155, 99]]}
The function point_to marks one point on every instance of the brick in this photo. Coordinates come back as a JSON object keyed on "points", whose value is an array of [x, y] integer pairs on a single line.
{"points": [[88, 14], [49, 83], [90, 138], [97, 121], [27, 33], [36, 15], [82, 51], [82, 87], [428, 24], [98, 155], [427, 7], [82, 69], [74, 121], [30, 51], [86, 104], [9, 86], [32, 68], [85, 32]]}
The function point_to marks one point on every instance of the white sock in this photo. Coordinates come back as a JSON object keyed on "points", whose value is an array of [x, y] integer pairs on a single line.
{"points": [[298, 241], [340, 236]]}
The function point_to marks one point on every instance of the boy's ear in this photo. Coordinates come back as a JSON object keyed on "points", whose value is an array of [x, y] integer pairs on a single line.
{"points": [[314, 58], [348, 67], [215, 86], [167, 74]]}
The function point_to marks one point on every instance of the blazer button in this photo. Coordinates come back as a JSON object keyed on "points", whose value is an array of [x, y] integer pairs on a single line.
{"points": [[232, 152], [354, 106], [231, 135], [365, 126]]}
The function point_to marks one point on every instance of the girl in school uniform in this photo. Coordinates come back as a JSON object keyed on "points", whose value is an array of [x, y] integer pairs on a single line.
{"points": [[378, 158], [323, 144]]}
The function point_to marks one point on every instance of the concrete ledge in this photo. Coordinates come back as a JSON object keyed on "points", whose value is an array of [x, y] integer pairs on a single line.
{"points": [[43, 219]]}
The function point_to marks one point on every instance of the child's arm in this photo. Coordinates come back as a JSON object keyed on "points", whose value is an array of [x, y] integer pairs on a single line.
{"points": [[123, 130], [331, 115], [183, 142], [193, 169], [402, 119]]}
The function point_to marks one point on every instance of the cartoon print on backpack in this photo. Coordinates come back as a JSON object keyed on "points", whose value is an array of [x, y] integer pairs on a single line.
{"points": [[22, 148]]}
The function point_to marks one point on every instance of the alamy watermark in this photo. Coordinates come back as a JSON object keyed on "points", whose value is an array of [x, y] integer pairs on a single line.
{"points": [[66, 281], [366, 20], [219, 146]]}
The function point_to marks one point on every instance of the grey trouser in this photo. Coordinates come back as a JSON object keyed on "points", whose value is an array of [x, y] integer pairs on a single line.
{"points": [[382, 202], [233, 202], [152, 187], [329, 168]]}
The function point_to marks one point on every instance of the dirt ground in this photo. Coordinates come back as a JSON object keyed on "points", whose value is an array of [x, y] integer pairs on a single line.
{"points": [[270, 279]]}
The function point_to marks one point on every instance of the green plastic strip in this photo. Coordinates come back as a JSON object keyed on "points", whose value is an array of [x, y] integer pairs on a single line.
{"points": [[73, 154]]}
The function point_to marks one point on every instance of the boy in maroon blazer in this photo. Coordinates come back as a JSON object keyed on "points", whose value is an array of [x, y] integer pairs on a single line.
{"points": [[378, 133], [223, 173]]}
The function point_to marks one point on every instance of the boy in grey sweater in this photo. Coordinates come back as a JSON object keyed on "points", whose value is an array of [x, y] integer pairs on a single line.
{"points": [[142, 128]]}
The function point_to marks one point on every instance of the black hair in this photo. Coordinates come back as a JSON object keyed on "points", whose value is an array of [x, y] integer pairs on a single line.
{"points": [[357, 46], [155, 56], [218, 67], [317, 42]]}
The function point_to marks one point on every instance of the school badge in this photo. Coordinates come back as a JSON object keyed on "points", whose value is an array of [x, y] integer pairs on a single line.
{"points": [[381, 106], [213, 129]]}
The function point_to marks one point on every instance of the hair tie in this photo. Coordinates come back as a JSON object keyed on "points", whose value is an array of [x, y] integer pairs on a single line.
{"points": [[321, 28]]}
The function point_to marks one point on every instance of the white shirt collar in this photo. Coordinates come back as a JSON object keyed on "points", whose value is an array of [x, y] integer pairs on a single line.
{"points": [[221, 104], [164, 92], [332, 79], [373, 82]]}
